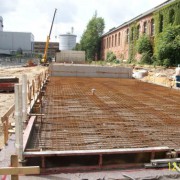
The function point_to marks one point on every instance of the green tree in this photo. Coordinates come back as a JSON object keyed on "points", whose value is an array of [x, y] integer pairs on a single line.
{"points": [[77, 47], [91, 38], [168, 48]]}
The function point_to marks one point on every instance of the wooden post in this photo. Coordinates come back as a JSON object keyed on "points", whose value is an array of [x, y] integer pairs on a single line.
{"points": [[14, 163], [5, 127], [18, 121], [24, 98]]}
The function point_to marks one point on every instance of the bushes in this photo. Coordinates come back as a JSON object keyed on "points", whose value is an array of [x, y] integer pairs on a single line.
{"points": [[146, 58], [144, 47], [166, 63], [110, 57]]}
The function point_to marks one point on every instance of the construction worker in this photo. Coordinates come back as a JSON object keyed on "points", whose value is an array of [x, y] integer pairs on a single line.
{"points": [[178, 76]]}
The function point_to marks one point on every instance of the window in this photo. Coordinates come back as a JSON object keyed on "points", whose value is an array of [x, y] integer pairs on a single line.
{"points": [[116, 40], [112, 40], [127, 35], [152, 27], [161, 22], [171, 16], [138, 31], [132, 34], [119, 38], [107, 43], [145, 27]]}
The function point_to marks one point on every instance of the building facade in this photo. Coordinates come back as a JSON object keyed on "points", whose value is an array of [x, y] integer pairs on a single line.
{"points": [[39, 48], [10, 42], [121, 40]]}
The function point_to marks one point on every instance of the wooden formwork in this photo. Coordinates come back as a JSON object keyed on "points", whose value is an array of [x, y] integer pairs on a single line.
{"points": [[33, 93]]}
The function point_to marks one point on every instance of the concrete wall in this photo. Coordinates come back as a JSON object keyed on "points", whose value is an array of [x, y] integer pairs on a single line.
{"points": [[12, 41], [82, 70], [77, 57]]}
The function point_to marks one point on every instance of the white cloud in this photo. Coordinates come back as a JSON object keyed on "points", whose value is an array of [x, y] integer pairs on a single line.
{"points": [[7, 6], [36, 15]]}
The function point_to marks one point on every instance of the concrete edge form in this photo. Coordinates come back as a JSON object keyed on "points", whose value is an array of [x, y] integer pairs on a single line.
{"points": [[82, 70]]}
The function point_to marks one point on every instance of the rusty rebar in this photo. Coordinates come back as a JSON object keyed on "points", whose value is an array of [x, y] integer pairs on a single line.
{"points": [[120, 113]]}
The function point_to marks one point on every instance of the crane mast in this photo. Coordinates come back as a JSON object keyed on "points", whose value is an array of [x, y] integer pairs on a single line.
{"points": [[44, 60]]}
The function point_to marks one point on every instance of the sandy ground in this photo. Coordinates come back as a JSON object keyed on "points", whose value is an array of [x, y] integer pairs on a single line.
{"points": [[161, 77], [7, 99]]}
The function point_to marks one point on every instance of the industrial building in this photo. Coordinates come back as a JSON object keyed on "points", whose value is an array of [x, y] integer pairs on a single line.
{"points": [[52, 49], [67, 41], [1, 23], [119, 40], [10, 42]]}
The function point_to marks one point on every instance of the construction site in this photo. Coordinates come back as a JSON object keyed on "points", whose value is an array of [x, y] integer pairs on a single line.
{"points": [[84, 118], [94, 114], [65, 117]]}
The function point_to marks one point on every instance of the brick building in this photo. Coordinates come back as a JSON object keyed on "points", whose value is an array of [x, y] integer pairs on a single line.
{"points": [[40, 46], [118, 39]]}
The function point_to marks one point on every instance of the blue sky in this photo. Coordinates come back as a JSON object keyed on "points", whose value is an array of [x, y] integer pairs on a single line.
{"points": [[36, 15]]}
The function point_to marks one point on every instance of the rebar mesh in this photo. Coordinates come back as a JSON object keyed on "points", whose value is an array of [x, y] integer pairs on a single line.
{"points": [[122, 113]]}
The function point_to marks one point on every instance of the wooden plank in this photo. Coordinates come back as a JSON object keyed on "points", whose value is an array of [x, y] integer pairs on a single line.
{"points": [[36, 114], [13, 79], [19, 170], [8, 113], [27, 131]]}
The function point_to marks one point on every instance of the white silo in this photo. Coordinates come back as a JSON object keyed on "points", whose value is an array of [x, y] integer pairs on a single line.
{"points": [[67, 41], [1, 23]]}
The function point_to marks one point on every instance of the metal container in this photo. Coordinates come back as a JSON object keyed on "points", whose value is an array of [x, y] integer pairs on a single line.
{"points": [[1, 23], [67, 41]]}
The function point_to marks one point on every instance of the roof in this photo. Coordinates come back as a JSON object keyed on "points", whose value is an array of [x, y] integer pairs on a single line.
{"points": [[139, 16], [68, 34]]}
